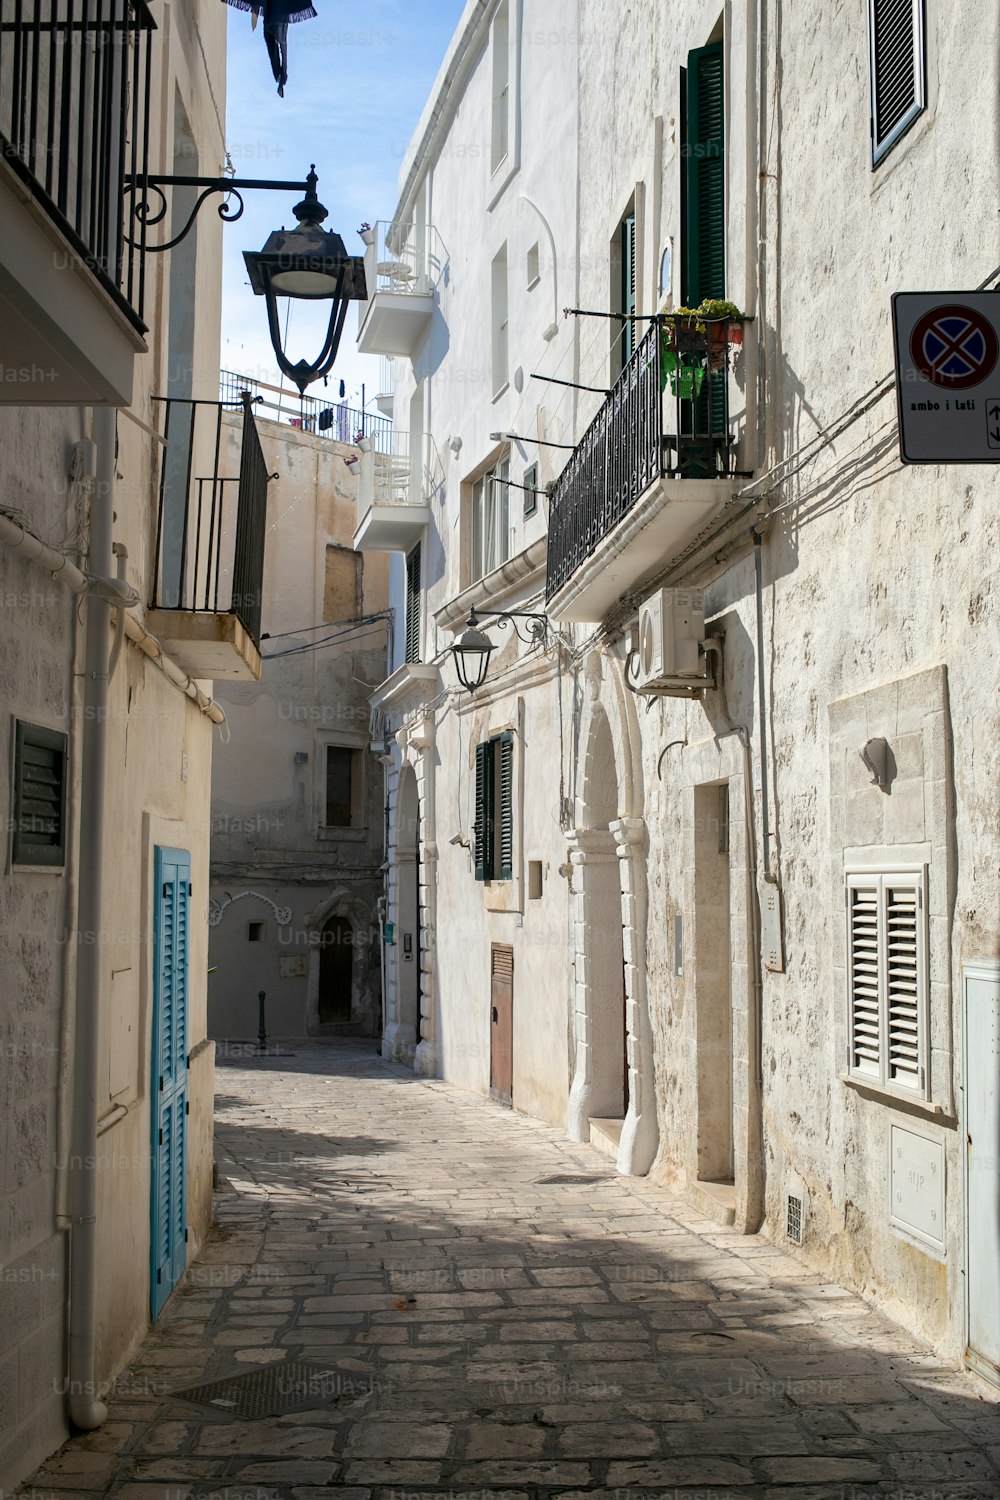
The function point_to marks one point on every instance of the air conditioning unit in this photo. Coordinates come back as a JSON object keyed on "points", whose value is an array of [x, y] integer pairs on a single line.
{"points": [[671, 633]]}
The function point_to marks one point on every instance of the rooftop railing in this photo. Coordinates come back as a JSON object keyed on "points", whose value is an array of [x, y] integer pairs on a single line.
{"points": [[345, 424]]}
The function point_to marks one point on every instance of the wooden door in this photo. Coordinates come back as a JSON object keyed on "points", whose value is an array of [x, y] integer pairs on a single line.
{"points": [[502, 1027]]}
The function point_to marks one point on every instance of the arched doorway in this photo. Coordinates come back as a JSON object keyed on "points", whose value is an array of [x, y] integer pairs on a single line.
{"points": [[612, 1099], [336, 971]]}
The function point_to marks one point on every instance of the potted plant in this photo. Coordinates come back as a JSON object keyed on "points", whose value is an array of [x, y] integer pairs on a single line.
{"points": [[367, 234], [684, 352], [725, 326]]}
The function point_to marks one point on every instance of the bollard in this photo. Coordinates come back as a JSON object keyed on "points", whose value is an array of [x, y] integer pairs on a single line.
{"points": [[261, 1030]]}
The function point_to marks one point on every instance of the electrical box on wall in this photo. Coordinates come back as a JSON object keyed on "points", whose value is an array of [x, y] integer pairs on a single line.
{"points": [[772, 944], [671, 638]]}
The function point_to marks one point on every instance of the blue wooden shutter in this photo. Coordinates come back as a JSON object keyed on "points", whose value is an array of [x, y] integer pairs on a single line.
{"points": [[169, 1079], [505, 748], [484, 811]]}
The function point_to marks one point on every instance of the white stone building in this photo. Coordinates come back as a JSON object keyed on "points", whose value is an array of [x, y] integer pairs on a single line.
{"points": [[298, 831], [690, 922], [106, 1071]]}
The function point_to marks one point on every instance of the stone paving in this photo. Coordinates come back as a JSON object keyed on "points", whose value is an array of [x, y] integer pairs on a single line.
{"points": [[505, 1317]]}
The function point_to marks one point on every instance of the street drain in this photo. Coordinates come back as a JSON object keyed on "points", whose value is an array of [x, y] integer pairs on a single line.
{"points": [[277, 1390], [574, 1177]]}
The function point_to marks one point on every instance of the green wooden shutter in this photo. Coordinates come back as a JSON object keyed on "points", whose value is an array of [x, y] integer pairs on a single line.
{"points": [[484, 811], [705, 259], [505, 746], [627, 246], [413, 605]]}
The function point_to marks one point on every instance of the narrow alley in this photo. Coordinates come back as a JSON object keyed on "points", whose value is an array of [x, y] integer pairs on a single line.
{"points": [[425, 1293]]}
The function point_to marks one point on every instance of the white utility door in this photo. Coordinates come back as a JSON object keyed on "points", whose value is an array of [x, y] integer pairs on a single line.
{"points": [[982, 1181]]}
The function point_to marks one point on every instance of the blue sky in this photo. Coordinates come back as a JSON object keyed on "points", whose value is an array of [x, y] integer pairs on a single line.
{"points": [[359, 76]]}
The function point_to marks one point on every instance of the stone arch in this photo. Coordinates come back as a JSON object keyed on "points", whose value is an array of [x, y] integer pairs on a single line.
{"points": [[608, 855], [343, 905]]}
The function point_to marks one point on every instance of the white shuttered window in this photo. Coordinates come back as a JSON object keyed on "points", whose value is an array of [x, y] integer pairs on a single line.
{"points": [[898, 73], [887, 978]]}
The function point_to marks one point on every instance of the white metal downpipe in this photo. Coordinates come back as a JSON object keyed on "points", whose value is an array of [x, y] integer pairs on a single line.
{"points": [[86, 1411]]}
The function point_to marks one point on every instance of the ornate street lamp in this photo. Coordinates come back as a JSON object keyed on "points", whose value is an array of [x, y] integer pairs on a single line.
{"points": [[473, 649], [308, 264], [472, 652]]}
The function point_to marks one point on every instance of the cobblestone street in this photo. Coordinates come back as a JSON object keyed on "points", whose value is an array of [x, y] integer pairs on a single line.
{"points": [[502, 1313]]}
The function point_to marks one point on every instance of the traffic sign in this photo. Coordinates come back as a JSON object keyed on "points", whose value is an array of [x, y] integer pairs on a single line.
{"points": [[947, 380]]}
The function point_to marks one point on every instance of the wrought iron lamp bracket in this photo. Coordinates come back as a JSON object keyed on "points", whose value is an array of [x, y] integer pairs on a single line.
{"points": [[535, 629], [146, 213]]}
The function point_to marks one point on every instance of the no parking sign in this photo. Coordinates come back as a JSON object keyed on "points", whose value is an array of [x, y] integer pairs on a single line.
{"points": [[947, 376]]}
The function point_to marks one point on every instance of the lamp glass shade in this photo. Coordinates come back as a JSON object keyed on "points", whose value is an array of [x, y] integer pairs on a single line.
{"points": [[304, 283], [472, 658]]}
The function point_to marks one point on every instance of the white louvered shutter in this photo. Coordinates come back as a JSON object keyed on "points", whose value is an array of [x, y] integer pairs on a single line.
{"points": [[863, 968], [887, 978], [898, 92], [905, 980]]}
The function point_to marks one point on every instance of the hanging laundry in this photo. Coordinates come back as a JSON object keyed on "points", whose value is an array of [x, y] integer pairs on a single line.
{"points": [[278, 15]]}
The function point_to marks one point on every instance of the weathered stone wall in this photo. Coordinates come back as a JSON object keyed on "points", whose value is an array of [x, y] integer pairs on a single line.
{"points": [[269, 781]]}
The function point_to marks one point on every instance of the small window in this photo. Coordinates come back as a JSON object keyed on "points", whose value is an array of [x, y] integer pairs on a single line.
{"points": [[255, 932], [898, 75], [413, 571], [340, 787], [887, 979], [500, 141], [342, 585], [534, 266], [534, 880], [39, 813], [494, 823], [500, 323], [530, 483], [491, 520]]}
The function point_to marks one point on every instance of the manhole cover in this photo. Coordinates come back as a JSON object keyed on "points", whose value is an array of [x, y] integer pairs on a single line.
{"points": [[580, 1178], [278, 1389]]}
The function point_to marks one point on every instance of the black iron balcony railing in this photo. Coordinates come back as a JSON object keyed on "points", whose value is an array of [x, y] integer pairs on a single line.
{"points": [[667, 417], [211, 520], [74, 123]]}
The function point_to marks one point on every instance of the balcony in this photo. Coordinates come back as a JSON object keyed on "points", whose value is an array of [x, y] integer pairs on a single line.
{"points": [[403, 266], [74, 125], [395, 485], [654, 467], [211, 523]]}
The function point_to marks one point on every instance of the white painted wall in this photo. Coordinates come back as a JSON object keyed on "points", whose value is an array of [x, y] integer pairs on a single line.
{"points": [[878, 611], [159, 769]]}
